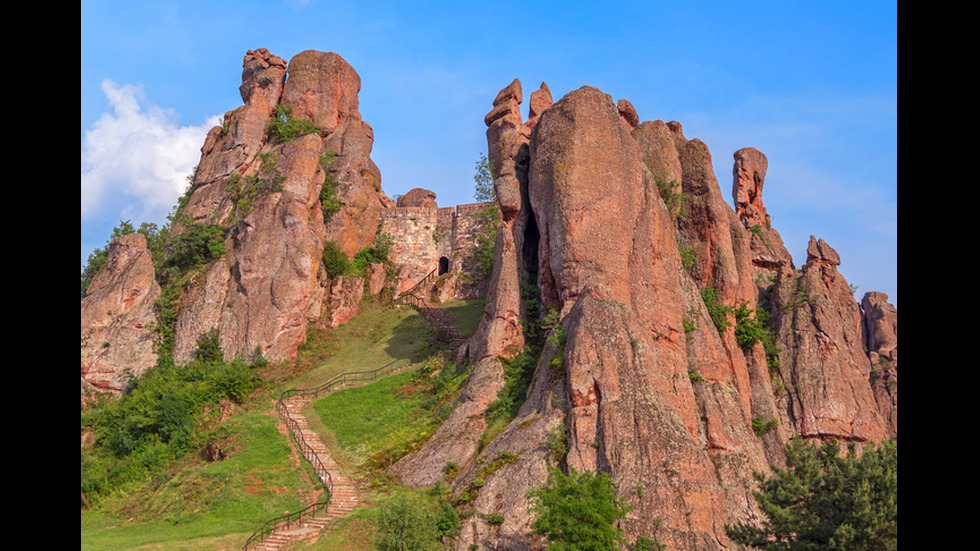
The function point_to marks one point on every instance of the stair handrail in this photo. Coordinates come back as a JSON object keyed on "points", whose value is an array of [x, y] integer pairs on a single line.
{"points": [[421, 282], [422, 305], [288, 519], [308, 452], [343, 378]]}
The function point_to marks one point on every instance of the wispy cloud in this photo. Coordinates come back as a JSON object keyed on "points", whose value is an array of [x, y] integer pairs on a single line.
{"points": [[136, 158]]}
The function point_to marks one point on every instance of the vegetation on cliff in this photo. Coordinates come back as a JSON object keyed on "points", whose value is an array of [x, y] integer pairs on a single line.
{"points": [[578, 511], [823, 499]]}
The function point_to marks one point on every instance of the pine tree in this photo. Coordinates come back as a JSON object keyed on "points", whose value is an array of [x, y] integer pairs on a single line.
{"points": [[825, 500]]}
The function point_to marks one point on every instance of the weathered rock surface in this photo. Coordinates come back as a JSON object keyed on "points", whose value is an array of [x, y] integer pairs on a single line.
{"points": [[267, 289], [644, 384], [417, 197], [118, 317], [824, 367], [880, 323]]}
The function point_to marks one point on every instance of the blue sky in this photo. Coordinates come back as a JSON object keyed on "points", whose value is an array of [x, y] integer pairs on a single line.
{"points": [[813, 85]]}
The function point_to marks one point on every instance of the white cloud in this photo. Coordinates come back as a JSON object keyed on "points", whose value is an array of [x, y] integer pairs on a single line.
{"points": [[136, 158]]}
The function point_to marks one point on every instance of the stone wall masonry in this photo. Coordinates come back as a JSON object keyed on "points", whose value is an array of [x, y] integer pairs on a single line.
{"points": [[424, 235]]}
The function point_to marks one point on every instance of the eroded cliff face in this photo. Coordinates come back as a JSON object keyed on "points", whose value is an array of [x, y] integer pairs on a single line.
{"points": [[269, 287], [118, 318], [621, 228]]}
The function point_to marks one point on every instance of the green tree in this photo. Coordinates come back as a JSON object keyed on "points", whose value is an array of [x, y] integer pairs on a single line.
{"points": [[406, 524], [483, 177], [827, 500], [197, 244], [578, 511]]}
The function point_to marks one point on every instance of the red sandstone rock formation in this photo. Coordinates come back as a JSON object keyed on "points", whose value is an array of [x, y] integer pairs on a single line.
{"points": [[645, 384], [880, 324], [417, 197], [118, 317], [269, 286]]}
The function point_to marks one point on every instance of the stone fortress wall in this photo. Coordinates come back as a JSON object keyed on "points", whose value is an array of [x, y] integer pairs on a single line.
{"points": [[431, 238]]}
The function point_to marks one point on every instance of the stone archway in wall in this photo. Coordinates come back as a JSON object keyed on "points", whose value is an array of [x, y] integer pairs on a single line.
{"points": [[443, 265]]}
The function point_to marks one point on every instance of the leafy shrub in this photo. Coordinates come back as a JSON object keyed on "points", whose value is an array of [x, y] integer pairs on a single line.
{"points": [[243, 190], [760, 425], [485, 241], [647, 544], [494, 519], [209, 348], [197, 244], [156, 419], [672, 197], [750, 325], [518, 373], [406, 524], [688, 256], [718, 311], [557, 441], [447, 521], [578, 511], [378, 253], [335, 261]]}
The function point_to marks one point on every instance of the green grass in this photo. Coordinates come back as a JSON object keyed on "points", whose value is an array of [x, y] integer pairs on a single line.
{"points": [[368, 420], [206, 506], [378, 335], [197, 505], [465, 314]]}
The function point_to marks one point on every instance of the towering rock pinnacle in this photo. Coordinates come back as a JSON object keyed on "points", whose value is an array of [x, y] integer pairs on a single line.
{"points": [[267, 289], [620, 227]]}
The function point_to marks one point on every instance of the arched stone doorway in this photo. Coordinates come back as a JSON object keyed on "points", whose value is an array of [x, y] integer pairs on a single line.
{"points": [[443, 265]]}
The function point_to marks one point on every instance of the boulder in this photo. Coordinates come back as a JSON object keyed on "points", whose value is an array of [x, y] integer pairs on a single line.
{"points": [[418, 197]]}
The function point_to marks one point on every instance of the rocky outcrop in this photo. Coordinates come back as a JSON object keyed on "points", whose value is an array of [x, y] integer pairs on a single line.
{"points": [[748, 178], [269, 286], [322, 87], [344, 300], [621, 228], [118, 317], [880, 324], [417, 197], [824, 367]]}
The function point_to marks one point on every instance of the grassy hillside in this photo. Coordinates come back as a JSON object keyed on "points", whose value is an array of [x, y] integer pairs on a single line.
{"points": [[196, 502]]}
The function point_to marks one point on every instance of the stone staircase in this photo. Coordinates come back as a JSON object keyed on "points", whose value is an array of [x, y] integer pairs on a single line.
{"points": [[343, 500], [444, 328]]}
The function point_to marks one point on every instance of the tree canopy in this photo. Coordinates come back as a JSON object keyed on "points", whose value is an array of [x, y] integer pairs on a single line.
{"points": [[825, 500]]}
